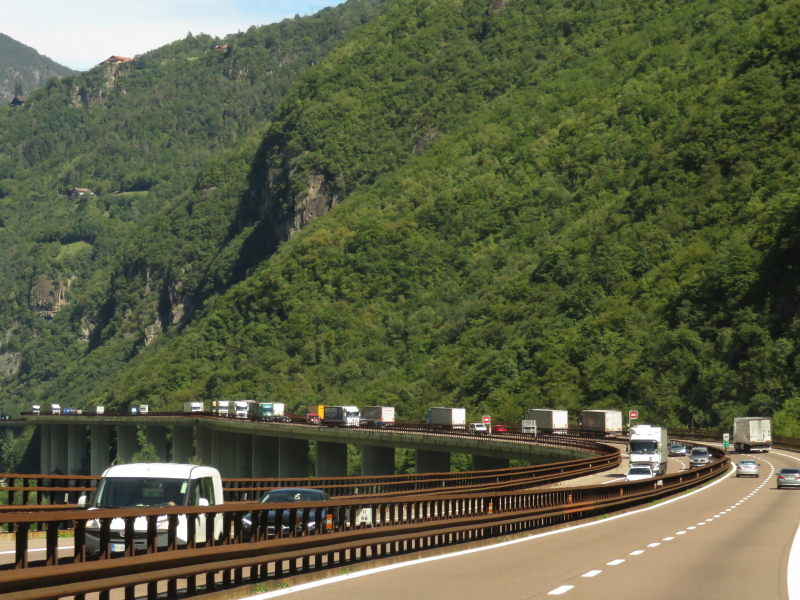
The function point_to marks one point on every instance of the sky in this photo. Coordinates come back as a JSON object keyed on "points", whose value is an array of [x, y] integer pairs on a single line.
{"points": [[82, 33]]}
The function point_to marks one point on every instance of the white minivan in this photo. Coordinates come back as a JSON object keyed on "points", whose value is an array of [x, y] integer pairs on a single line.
{"points": [[146, 485]]}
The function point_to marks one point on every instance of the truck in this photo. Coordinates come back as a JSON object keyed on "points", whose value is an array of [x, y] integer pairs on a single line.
{"points": [[221, 408], [54, 409], [271, 410], [648, 445], [347, 416], [752, 434], [140, 485], [244, 409], [528, 427], [549, 420], [377, 416], [441, 417], [605, 422], [194, 407]]}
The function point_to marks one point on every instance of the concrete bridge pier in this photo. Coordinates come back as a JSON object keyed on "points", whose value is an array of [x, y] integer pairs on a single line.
{"points": [[157, 437], [331, 459], [377, 460], [100, 443], [265, 458], [76, 453], [433, 461], [45, 465], [204, 442], [59, 449], [182, 444], [293, 458], [244, 456], [485, 463], [127, 444]]}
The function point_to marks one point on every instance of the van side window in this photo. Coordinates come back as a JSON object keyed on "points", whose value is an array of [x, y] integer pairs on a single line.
{"points": [[205, 489]]}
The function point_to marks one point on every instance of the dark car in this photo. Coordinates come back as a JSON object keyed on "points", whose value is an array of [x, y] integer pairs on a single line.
{"points": [[788, 478], [316, 516]]}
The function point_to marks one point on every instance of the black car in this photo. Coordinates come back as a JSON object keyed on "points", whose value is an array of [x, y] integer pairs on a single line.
{"points": [[316, 516]]}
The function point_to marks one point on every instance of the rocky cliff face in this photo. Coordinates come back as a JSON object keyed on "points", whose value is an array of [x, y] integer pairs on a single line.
{"points": [[48, 296]]}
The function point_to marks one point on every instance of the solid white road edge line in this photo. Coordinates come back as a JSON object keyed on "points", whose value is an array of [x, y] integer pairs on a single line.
{"points": [[793, 568], [338, 578]]}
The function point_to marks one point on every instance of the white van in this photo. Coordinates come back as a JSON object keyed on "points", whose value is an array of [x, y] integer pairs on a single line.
{"points": [[142, 485]]}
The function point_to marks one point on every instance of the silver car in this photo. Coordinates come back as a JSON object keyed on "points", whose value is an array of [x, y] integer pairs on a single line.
{"points": [[699, 457], [788, 478], [747, 468]]}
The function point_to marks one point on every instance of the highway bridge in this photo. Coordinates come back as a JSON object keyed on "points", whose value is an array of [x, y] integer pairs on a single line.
{"points": [[695, 533]]}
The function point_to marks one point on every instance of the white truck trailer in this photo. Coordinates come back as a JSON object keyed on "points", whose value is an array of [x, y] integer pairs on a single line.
{"points": [[549, 420], [347, 416], [752, 434], [447, 418], [193, 407], [221, 408], [244, 409], [648, 446], [377, 416], [605, 422]]}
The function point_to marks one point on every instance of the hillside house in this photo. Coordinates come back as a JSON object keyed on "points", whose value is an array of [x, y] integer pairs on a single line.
{"points": [[77, 193], [115, 60]]}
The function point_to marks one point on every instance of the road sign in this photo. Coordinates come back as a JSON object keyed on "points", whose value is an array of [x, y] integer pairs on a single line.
{"points": [[726, 437], [487, 419], [633, 414]]}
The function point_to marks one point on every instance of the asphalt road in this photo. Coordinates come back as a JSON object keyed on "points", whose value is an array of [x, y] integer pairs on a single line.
{"points": [[729, 540]]}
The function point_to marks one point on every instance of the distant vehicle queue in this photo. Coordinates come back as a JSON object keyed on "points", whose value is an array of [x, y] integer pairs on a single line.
{"points": [[648, 445]]}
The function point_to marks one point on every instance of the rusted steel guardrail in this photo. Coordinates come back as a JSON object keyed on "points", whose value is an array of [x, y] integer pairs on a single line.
{"points": [[388, 527]]}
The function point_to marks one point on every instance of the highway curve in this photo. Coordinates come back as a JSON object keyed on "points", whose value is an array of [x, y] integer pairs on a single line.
{"points": [[728, 540]]}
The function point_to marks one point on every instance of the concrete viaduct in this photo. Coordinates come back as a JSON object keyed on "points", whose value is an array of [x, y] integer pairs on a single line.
{"points": [[87, 444]]}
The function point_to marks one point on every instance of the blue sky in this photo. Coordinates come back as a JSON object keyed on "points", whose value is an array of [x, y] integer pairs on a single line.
{"points": [[81, 33]]}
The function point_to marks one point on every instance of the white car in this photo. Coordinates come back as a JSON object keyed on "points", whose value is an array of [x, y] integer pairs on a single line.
{"points": [[478, 429], [638, 472]]}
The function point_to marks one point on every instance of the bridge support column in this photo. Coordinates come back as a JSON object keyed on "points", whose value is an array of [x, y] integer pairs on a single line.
{"points": [[229, 454], [127, 445], [377, 460], [485, 463], [265, 456], [217, 457], [45, 439], [433, 461], [182, 444], [244, 456], [293, 458], [76, 453], [59, 449], [204, 442], [331, 459], [157, 438], [100, 436]]}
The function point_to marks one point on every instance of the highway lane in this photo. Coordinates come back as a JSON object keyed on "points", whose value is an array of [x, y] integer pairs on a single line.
{"points": [[731, 539]]}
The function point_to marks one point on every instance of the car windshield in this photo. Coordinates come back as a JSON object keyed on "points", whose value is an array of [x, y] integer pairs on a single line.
{"points": [[790, 471], [643, 447], [699, 452], [639, 471], [293, 496], [748, 463], [123, 492]]}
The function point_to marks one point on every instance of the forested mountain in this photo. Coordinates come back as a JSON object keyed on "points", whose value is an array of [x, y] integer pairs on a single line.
{"points": [[23, 69], [486, 203]]}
